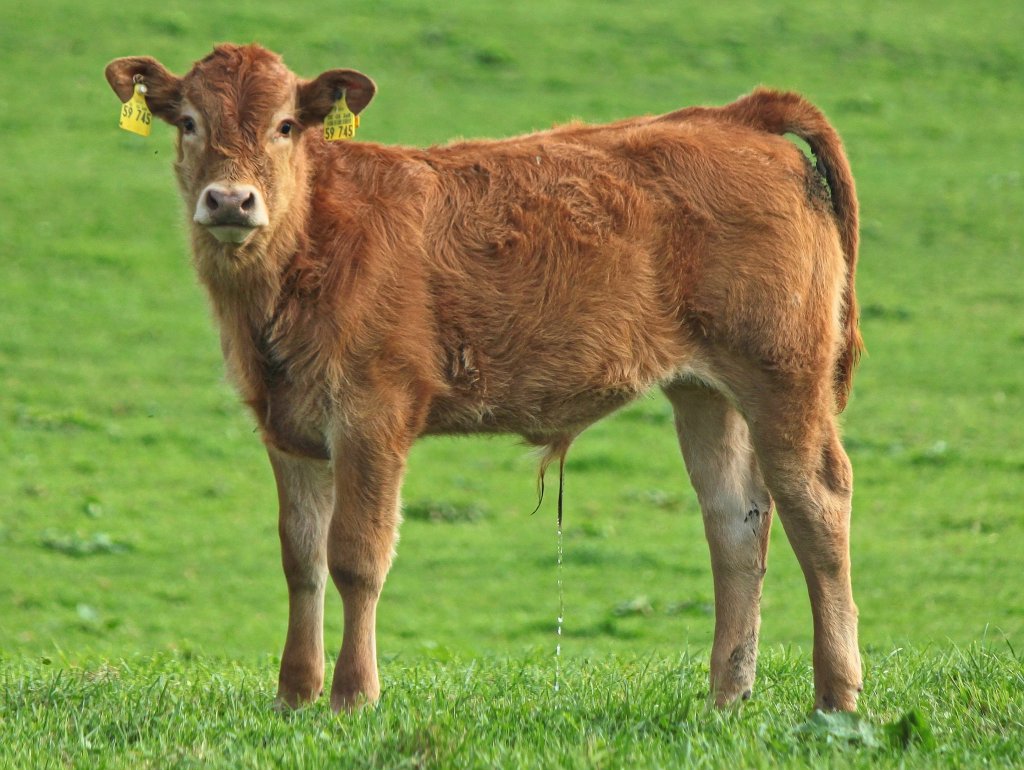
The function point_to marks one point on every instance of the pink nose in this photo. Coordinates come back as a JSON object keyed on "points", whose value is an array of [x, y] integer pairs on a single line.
{"points": [[230, 206], [231, 211]]}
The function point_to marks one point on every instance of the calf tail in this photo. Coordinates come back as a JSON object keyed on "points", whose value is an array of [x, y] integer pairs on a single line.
{"points": [[779, 112]]}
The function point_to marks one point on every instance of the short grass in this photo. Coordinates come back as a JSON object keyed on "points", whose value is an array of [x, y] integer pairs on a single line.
{"points": [[955, 708], [136, 508]]}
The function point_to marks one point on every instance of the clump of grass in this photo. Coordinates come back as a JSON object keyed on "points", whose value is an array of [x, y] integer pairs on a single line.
{"points": [[654, 498], [638, 605], [77, 544], [441, 511]]}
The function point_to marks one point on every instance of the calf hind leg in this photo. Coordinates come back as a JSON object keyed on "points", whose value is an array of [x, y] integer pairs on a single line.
{"points": [[737, 512], [809, 475]]}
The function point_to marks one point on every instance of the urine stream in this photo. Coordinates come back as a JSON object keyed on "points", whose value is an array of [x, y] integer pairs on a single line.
{"points": [[561, 616], [560, 620], [558, 573]]}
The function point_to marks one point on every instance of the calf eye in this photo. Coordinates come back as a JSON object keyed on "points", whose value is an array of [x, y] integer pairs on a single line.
{"points": [[286, 128], [188, 125]]}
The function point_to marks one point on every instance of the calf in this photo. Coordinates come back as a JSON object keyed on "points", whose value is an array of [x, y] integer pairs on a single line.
{"points": [[369, 295]]}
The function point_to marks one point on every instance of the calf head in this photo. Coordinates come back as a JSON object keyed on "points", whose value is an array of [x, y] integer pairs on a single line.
{"points": [[244, 125]]}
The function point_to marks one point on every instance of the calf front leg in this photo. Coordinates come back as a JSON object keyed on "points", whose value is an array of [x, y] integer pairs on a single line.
{"points": [[306, 495], [368, 471]]}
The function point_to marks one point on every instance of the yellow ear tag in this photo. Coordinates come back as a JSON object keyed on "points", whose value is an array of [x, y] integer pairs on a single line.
{"points": [[341, 123], [135, 114]]}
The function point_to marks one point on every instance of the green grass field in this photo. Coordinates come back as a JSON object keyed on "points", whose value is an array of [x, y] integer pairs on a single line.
{"points": [[177, 711], [137, 511]]}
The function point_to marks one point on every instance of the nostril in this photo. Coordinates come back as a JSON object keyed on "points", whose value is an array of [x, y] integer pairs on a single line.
{"points": [[249, 203], [211, 201]]}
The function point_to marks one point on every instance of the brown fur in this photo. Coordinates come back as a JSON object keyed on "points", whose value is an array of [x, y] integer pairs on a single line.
{"points": [[530, 285]]}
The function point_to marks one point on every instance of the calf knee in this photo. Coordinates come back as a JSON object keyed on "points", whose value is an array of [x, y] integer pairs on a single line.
{"points": [[347, 578]]}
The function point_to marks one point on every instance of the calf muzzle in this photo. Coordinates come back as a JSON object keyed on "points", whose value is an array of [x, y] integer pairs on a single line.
{"points": [[230, 212]]}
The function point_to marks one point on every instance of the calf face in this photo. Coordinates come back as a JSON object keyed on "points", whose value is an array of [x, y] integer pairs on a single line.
{"points": [[240, 115]]}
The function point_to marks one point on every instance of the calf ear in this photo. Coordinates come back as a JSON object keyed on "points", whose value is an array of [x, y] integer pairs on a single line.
{"points": [[317, 96], [163, 90]]}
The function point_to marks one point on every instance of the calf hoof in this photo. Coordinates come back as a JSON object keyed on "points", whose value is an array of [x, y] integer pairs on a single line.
{"points": [[732, 678], [298, 686], [349, 702], [291, 698], [350, 692], [839, 699], [726, 698]]}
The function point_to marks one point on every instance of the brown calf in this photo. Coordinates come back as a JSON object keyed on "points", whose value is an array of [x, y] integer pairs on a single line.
{"points": [[369, 295]]}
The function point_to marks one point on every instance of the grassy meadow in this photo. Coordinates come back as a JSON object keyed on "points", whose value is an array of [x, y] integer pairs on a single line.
{"points": [[139, 572]]}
